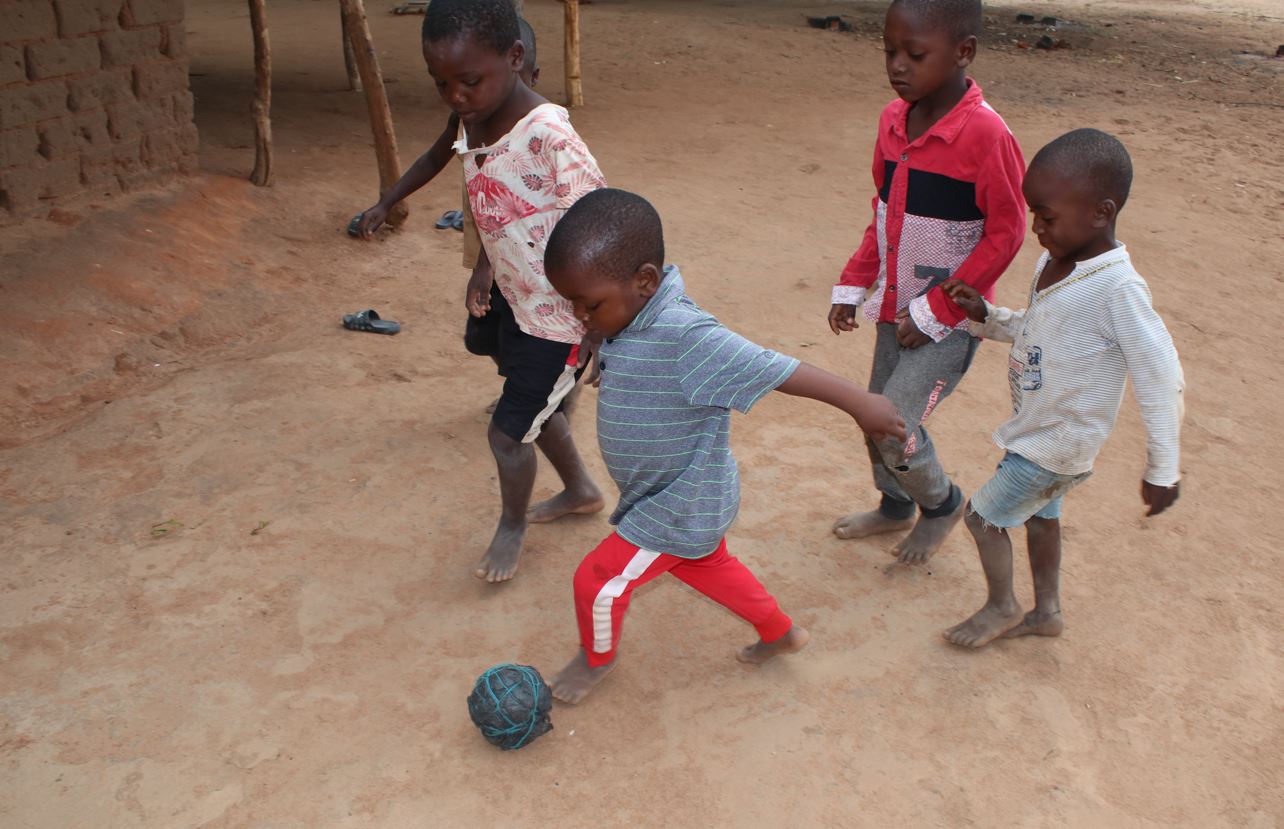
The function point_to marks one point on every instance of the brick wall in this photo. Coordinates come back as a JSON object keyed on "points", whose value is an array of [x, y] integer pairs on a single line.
{"points": [[93, 99]]}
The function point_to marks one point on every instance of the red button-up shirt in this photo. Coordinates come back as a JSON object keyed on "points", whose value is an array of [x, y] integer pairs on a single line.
{"points": [[949, 204]]}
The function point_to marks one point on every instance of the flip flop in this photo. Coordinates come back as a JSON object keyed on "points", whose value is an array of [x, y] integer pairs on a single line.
{"points": [[369, 320], [449, 218], [833, 22], [458, 223]]}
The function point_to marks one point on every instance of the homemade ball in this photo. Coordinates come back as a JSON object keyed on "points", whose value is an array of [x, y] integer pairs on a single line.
{"points": [[510, 704]]}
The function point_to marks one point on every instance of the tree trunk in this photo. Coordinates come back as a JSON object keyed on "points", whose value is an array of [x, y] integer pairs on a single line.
{"points": [[354, 16], [262, 106], [349, 61], [571, 43]]}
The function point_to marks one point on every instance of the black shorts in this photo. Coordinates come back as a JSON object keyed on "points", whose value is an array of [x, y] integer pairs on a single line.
{"points": [[538, 373]]}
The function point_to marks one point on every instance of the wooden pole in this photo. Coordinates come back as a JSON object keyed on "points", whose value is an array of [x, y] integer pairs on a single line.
{"points": [[349, 61], [385, 139], [262, 106], [571, 44]]}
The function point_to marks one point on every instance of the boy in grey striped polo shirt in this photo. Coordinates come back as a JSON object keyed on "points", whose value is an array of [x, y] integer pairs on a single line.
{"points": [[670, 376], [1088, 327]]}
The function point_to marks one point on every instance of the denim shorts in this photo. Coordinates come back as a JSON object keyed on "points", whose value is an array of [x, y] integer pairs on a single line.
{"points": [[1020, 489]]}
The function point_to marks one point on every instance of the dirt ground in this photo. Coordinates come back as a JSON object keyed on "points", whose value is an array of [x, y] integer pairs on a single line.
{"points": [[235, 580]]}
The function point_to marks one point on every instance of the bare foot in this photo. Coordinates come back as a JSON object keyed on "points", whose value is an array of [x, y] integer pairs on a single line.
{"points": [[760, 651], [1038, 623], [573, 682], [566, 503], [500, 562], [862, 524], [927, 537], [986, 625], [493, 405]]}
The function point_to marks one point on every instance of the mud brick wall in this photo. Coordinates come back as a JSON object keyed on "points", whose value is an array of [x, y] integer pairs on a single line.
{"points": [[93, 100]]}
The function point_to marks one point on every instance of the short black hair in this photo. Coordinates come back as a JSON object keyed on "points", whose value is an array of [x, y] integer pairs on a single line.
{"points": [[492, 23], [961, 18], [1092, 157], [528, 40], [613, 231]]}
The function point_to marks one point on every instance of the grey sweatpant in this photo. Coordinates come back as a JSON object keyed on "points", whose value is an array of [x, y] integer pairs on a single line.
{"points": [[916, 380]]}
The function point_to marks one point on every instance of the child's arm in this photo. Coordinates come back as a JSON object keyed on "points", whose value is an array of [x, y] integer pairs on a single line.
{"points": [[424, 170], [477, 295], [862, 268], [990, 321], [1157, 384], [849, 294], [724, 370], [874, 413], [998, 197]]}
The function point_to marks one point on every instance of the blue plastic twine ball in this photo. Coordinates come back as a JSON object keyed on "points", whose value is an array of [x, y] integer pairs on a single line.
{"points": [[510, 704]]}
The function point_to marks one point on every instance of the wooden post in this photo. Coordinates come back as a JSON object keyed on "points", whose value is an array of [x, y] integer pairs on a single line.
{"points": [[571, 44], [349, 61], [354, 16], [262, 106]]}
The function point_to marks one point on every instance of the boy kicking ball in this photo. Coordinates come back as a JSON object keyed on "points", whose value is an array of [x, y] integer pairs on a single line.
{"points": [[1089, 326], [670, 376]]}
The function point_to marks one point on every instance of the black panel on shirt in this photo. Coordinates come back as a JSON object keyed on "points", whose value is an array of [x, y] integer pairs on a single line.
{"points": [[935, 196], [889, 170]]}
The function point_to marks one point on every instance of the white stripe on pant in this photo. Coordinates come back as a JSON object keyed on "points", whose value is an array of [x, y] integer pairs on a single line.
{"points": [[611, 591], [561, 388]]}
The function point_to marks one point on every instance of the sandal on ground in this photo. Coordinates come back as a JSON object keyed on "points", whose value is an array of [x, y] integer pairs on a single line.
{"points": [[449, 218], [369, 320]]}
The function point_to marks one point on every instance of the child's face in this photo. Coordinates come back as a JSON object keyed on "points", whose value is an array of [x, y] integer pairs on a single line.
{"points": [[1068, 218], [921, 58], [471, 78], [605, 305]]}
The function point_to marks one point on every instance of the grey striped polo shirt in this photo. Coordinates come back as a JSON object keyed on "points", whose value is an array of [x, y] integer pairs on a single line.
{"points": [[669, 383]]}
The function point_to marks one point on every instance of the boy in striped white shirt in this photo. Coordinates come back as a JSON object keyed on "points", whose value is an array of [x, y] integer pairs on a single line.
{"points": [[1088, 327]]}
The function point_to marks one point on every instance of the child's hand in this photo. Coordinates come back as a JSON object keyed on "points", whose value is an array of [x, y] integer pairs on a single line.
{"points": [[879, 419], [842, 318], [908, 334], [371, 220], [1158, 498], [966, 297], [588, 353], [477, 295]]}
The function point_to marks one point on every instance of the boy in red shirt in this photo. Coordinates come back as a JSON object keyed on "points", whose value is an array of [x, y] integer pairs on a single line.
{"points": [[948, 173]]}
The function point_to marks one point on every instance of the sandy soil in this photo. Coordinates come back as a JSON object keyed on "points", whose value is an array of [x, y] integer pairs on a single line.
{"points": [[235, 582]]}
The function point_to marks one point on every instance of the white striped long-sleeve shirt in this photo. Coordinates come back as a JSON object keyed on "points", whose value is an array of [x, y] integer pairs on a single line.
{"points": [[1073, 349]]}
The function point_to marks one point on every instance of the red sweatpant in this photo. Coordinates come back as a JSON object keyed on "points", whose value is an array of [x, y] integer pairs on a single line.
{"points": [[606, 577]]}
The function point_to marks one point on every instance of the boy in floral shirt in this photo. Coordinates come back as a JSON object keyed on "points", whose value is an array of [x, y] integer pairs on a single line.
{"points": [[524, 166]]}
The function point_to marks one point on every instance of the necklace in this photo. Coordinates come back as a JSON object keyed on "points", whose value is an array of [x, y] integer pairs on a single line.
{"points": [[1036, 293]]}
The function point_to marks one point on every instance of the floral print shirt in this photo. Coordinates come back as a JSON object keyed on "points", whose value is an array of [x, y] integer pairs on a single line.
{"points": [[524, 183]]}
